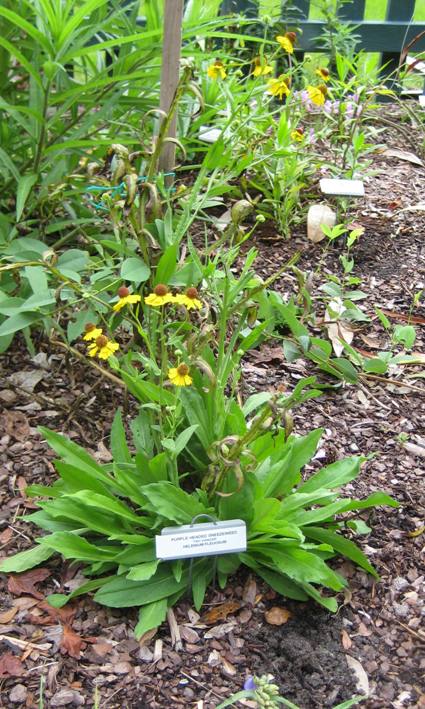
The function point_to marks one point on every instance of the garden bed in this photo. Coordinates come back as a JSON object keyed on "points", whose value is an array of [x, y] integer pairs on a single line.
{"points": [[200, 659]]}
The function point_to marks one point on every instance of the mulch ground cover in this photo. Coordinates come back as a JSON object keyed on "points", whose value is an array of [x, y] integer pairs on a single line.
{"points": [[376, 642]]}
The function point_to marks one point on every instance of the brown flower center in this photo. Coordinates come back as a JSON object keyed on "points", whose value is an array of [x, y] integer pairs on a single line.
{"points": [[192, 293], [101, 341], [323, 89], [291, 36], [89, 327], [182, 370], [324, 72], [123, 292], [300, 131], [160, 289]]}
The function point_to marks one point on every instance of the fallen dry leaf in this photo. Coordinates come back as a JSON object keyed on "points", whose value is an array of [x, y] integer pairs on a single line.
{"points": [[8, 615], [402, 155], [277, 615], [6, 536], [346, 640], [221, 612], [10, 666], [219, 631], [249, 592], [20, 584], [15, 424], [71, 642]]}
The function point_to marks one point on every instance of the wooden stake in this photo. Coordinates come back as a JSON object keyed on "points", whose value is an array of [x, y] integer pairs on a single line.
{"points": [[173, 18]]}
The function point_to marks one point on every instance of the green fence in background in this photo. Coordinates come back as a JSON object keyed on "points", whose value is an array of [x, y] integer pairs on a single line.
{"points": [[403, 22]]}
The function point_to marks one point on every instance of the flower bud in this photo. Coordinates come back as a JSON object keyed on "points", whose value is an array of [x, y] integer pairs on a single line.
{"points": [[240, 211]]}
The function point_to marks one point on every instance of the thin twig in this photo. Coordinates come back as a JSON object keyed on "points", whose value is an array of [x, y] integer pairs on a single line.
{"points": [[411, 631], [377, 378], [201, 684], [76, 353]]}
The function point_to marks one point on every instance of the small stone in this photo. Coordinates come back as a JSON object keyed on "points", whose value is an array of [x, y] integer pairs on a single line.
{"points": [[7, 396], [400, 584], [122, 668], [67, 697], [145, 655], [18, 694], [401, 610], [188, 693]]}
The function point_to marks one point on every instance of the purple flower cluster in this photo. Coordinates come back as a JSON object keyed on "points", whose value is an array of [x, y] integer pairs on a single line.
{"points": [[351, 107]]}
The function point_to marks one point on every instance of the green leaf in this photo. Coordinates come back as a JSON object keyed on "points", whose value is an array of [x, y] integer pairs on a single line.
{"points": [[375, 365], [341, 545], [334, 475], [167, 264], [286, 472], [25, 185], [71, 546], [105, 504], [300, 565], [172, 502], [24, 560], [18, 322], [200, 580], [74, 454], [143, 572], [151, 616], [119, 446], [135, 270], [123, 593], [146, 392], [181, 441], [73, 260], [255, 401]]}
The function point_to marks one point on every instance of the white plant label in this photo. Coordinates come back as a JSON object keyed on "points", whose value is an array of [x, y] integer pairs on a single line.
{"points": [[204, 539], [422, 100], [349, 188]]}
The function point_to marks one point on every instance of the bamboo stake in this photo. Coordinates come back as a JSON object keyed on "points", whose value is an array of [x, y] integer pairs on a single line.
{"points": [[173, 18]]}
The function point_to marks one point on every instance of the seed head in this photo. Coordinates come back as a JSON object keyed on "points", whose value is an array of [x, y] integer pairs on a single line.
{"points": [[123, 292], [160, 289]]}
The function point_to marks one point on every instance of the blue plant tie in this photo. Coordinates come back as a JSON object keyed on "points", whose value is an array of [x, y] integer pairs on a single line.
{"points": [[118, 190]]}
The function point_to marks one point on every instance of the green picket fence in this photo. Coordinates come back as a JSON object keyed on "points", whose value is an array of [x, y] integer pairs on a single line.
{"points": [[404, 21]]}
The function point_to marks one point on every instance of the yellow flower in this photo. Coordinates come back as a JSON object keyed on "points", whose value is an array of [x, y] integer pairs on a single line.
{"points": [[126, 298], [160, 296], [278, 87], [179, 376], [189, 299], [91, 331], [317, 94], [297, 134], [216, 70], [261, 69], [286, 41], [323, 73], [102, 347]]}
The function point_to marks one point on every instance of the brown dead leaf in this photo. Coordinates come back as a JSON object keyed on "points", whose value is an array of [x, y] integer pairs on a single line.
{"points": [[65, 615], [20, 584], [404, 317], [6, 536], [346, 640], [22, 485], [228, 668], [8, 615], [10, 666], [249, 592], [71, 642], [15, 424], [221, 612], [277, 615], [402, 155]]}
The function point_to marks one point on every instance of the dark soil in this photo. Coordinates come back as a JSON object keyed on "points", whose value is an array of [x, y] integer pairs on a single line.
{"points": [[379, 625]]}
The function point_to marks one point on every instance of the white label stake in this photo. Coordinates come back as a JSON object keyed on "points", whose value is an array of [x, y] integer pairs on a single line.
{"points": [[348, 188], [205, 539]]}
